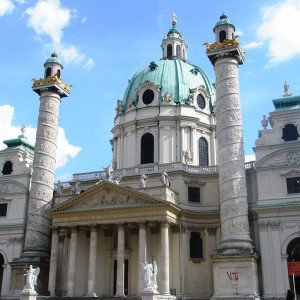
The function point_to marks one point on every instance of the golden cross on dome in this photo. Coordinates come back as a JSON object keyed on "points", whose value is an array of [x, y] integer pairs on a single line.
{"points": [[174, 21]]}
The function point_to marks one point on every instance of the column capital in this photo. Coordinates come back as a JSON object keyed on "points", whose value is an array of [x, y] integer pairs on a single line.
{"points": [[93, 226], [212, 230], [120, 224], [141, 223], [74, 228], [164, 223], [55, 229]]}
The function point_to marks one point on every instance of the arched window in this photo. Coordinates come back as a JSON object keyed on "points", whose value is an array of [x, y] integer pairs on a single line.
{"points": [[169, 51], [48, 72], [7, 168], [58, 73], [203, 152], [196, 245], [178, 51], [290, 133], [147, 149], [222, 36]]}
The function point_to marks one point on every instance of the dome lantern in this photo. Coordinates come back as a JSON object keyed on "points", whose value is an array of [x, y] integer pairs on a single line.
{"points": [[173, 45]]}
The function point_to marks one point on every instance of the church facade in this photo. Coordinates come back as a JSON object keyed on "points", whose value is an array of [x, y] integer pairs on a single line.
{"points": [[178, 194]]}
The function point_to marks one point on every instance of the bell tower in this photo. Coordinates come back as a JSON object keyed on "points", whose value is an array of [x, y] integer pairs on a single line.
{"points": [[235, 261], [36, 250]]}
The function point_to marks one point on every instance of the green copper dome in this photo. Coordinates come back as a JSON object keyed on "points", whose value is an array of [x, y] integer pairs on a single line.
{"points": [[174, 76], [53, 59], [223, 21]]}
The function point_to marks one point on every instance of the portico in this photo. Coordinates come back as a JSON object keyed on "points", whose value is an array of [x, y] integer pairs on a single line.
{"points": [[97, 237]]}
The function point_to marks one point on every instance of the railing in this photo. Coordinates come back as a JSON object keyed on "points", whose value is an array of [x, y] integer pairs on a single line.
{"points": [[97, 175], [155, 168]]}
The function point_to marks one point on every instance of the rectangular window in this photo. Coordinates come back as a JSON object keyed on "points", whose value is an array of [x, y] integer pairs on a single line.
{"points": [[3, 209], [194, 194], [293, 185]]}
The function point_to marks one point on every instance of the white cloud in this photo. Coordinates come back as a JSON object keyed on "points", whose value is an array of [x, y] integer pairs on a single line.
{"points": [[65, 150], [83, 20], [69, 53], [252, 45], [6, 6], [90, 64], [49, 17], [279, 29]]}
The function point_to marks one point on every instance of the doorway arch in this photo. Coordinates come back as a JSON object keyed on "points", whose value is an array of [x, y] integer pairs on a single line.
{"points": [[293, 252], [2, 262]]}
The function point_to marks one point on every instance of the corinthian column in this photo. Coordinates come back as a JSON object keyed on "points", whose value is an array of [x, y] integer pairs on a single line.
{"points": [[165, 276], [120, 261], [92, 261], [142, 252], [72, 263], [53, 262]]}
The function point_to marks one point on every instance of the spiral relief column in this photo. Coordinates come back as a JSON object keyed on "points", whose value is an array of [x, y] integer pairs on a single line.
{"points": [[51, 89], [235, 253], [36, 250]]}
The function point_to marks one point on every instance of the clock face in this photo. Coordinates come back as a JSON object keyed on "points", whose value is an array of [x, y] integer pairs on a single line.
{"points": [[200, 101], [293, 158]]}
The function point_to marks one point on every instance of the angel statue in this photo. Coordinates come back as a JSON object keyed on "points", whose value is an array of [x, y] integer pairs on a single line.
{"points": [[149, 273], [31, 277]]}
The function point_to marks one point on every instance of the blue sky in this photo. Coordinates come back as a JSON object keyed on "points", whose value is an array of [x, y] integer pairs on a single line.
{"points": [[102, 43]]}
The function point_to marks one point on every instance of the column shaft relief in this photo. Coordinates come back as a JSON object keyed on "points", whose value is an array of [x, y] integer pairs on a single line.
{"points": [[42, 184], [235, 232]]}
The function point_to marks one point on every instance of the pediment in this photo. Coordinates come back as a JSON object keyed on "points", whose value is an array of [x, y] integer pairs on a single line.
{"points": [[11, 187], [106, 195], [280, 158]]}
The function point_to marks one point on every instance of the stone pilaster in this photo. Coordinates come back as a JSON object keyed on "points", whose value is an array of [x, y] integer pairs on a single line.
{"points": [[120, 261]]}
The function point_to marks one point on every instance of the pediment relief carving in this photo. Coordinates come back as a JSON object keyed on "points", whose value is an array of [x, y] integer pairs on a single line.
{"points": [[108, 197], [11, 187], [280, 158]]}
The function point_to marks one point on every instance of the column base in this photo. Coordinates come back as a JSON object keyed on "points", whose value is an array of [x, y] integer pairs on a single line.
{"points": [[235, 276], [18, 265], [27, 294]]}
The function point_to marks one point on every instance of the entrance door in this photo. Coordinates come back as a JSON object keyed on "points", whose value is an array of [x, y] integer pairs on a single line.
{"points": [[1, 271], [125, 276], [293, 251]]}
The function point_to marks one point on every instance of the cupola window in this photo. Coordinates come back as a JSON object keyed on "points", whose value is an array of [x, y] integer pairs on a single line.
{"points": [[222, 36], [48, 72], [58, 73], [7, 168], [148, 97], [290, 133], [203, 152], [147, 149], [169, 51], [200, 101], [178, 51]]}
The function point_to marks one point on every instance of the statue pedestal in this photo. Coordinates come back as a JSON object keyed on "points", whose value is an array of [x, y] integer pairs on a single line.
{"points": [[235, 276], [27, 294], [149, 294]]}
